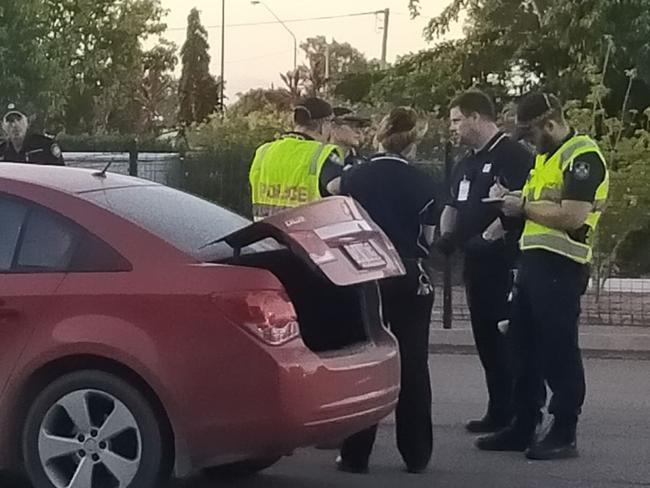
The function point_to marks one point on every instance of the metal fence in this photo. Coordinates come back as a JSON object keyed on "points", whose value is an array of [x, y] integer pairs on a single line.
{"points": [[618, 301], [164, 168]]}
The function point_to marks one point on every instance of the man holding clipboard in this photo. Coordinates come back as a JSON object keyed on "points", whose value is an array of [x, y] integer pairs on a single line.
{"points": [[472, 221]]}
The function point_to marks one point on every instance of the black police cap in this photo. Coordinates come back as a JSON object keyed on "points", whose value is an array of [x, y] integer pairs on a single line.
{"points": [[534, 107], [316, 108], [13, 110]]}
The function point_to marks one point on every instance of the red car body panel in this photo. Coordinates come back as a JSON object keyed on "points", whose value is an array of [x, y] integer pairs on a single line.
{"points": [[227, 395]]}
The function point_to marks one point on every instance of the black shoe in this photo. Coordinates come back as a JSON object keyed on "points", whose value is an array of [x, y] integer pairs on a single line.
{"points": [[558, 443], [345, 467], [512, 438], [416, 468], [485, 425]]}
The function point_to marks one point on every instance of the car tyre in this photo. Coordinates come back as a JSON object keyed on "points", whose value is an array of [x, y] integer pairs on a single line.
{"points": [[91, 429]]}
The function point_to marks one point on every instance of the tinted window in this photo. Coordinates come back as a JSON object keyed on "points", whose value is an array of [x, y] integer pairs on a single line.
{"points": [[35, 239], [94, 255], [12, 218], [183, 220], [48, 242]]}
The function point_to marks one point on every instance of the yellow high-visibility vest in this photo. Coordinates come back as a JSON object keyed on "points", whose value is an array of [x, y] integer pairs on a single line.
{"points": [[285, 173], [545, 183]]}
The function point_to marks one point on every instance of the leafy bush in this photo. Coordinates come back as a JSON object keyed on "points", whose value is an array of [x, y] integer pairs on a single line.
{"points": [[223, 148], [112, 143]]}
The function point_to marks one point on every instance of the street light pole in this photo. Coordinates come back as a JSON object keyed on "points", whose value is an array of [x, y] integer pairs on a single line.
{"points": [[223, 52], [295, 41], [384, 43]]}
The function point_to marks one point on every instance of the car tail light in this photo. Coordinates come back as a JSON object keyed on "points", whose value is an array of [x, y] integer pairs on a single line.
{"points": [[268, 315]]}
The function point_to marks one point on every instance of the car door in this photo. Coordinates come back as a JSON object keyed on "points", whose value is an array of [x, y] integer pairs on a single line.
{"points": [[33, 254]]}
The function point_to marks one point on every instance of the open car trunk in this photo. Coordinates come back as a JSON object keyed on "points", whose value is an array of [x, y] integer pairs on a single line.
{"points": [[334, 255]]}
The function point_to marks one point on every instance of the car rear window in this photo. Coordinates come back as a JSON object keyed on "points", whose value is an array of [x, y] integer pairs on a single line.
{"points": [[185, 221]]}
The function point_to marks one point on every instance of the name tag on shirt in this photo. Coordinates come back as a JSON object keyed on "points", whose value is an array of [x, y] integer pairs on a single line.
{"points": [[463, 190], [487, 167]]}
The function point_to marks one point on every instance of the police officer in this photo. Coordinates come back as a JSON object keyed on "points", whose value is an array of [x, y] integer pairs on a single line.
{"points": [[296, 168], [348, 133], [488, 239], [562, 203], [21, 146], [401, 200]]}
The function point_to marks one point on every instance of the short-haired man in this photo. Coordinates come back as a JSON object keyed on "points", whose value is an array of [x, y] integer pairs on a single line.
{"points": [[21, 146], [561, 202], [489, 240], [296, 168]]}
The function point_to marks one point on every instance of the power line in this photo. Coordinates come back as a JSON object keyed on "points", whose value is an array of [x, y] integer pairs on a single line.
{"points": [[269, 22]]}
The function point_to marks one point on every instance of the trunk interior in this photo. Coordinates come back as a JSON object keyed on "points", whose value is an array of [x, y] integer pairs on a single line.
{"points": [[330, 317]]}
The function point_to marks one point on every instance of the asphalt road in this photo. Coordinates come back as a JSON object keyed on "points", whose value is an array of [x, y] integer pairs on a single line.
{"points": [[614, 441]]}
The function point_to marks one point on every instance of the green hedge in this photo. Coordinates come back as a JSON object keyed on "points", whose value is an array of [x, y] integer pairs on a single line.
{"points": [[112, 143]]}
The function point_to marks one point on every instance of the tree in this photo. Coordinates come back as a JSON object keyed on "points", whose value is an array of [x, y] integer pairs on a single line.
{"points": [[98, 42], [28, 75], [158, 90], [343, 59], [262, 100], [198, 89], [558, 42], [295, 81]]}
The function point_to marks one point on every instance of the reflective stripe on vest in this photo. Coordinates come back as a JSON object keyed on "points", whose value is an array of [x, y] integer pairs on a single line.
{"points": [[545, 183], [261, 211], [558, 244]]}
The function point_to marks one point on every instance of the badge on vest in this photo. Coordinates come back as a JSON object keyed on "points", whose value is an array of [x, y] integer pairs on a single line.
{"points": [[487, 167], [581, 170]]}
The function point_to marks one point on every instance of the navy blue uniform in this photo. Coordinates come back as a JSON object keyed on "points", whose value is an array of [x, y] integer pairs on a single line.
{"points": [[37, 149], [401, 200], [488, 265]]}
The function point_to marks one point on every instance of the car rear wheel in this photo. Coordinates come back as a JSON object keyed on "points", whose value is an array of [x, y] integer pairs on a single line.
{"points": [[242, 469], [91, 429]]}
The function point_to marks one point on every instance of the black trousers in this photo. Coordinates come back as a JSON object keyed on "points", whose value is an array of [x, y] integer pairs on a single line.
{"points": [[546, 310], [488, 283], [409, 316]]}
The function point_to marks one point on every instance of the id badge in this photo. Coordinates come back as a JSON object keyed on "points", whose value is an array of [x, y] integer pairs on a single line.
{"points": [[463, 190]]}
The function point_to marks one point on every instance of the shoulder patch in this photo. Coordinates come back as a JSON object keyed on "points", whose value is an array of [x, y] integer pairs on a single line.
{"points": [[581, 170], [56, 150]]}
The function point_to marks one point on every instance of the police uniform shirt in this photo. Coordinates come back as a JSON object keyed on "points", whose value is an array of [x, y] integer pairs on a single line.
{"points": [[504, 160], [583, 177], [37, 149], [352, 158], [581, 181], [332, 168], [400, 198]]}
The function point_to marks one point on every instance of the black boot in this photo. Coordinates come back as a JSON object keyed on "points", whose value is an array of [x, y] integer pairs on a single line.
{"points": [[487, 424], [558, 443], [516, 437], [348, 467]]}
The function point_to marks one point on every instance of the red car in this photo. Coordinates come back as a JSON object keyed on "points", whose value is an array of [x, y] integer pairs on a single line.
{"points": [[145, 330]]}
